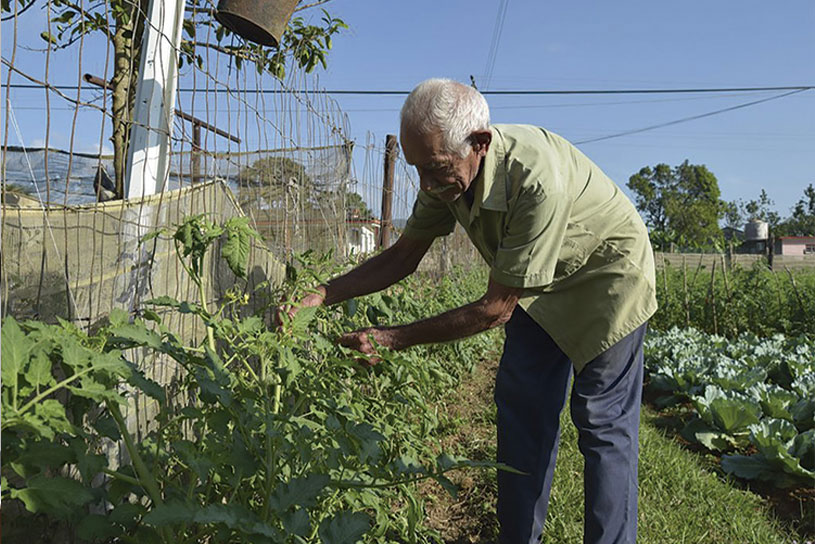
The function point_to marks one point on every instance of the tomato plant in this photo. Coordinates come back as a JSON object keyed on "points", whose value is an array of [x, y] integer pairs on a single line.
{"points": [[266, 435]]}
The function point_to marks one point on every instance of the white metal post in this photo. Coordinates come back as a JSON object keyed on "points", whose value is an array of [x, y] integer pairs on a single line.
{"points": [[148, 154]]}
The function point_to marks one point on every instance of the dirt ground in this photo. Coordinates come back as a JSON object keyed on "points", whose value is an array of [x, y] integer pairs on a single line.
{"points": [[468, 518]]}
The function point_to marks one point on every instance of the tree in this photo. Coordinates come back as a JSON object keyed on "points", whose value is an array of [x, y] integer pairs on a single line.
{"points": [[122, 23], [276, 180], [802, 221], [734, 214], [681, 205], [356, 208], [761, 210]]}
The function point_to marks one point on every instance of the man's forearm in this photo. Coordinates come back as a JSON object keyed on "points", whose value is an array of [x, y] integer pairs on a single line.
{"points": [[457, 323], [373, 275], [379, 272]]}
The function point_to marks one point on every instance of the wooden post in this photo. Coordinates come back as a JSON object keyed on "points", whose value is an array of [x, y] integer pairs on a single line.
{"points": [[713, 296], [726, 306], [779, 291], [391, 150], [685, 287], [770, 251], [797, 294], [444, 257], [196, 153]]}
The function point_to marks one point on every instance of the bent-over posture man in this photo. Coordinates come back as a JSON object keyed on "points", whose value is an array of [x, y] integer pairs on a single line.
{"points": [[571, 277]]}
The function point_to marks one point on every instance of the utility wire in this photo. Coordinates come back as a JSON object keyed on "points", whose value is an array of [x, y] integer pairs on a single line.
{"points": [[506, 92], [496, 40], [686, 119]]}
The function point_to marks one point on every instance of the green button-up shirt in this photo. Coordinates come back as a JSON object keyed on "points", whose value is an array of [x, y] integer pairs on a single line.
{"points": [[548, 220]]}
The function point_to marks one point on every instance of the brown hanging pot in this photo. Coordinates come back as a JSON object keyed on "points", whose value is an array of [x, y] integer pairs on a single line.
{"points": [[259, 21]]}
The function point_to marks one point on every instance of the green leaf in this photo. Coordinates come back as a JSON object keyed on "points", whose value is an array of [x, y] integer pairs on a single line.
{"points": [[91, 389], [164, 300], [52, 413], [170, 513], [298, 491], [697, 431], [55, 496], [297, 522], [118, 317], [14, 350], [38, 373], [151, 236], [42, 455], [238, 241], [47, 36], [803, 448], [235, 517], [127, 514], [344, 528], [138, 334], [447, 484], [151, 315], [803, 413], [107, 427], [95, 526], [350, 306], [302, 319], [146, 385], [752, 467], [773, 431], [733, 415]]}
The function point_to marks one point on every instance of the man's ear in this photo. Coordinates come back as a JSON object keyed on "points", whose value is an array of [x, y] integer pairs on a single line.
{"points": [[481, 140]]}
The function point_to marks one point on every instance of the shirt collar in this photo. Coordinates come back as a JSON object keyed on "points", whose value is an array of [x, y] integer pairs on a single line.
{"points": [[491, 181]]}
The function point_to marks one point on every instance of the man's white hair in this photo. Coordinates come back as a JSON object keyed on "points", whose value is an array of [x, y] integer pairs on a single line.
{"points": [[455, 109]]}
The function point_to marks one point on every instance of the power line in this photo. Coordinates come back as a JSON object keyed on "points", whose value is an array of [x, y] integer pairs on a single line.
{"points": [[498, 93], [496, 40], [686, 119]]}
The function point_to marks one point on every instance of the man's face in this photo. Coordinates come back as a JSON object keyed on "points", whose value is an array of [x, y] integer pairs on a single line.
{"points": [[443, 174]]}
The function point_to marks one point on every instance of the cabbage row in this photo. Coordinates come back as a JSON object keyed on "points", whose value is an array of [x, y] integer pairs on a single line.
{"points": [[752, 399]]}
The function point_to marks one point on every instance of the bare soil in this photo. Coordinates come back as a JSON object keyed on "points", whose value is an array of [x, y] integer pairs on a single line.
{"points": [[469, 517]]}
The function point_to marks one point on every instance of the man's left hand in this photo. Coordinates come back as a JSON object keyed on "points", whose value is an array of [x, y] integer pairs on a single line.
{"points": [[360, 341]]}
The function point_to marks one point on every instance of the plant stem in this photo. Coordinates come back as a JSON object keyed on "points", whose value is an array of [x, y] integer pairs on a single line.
{"points": [[146, 479], [53, 388], [123, 477]]}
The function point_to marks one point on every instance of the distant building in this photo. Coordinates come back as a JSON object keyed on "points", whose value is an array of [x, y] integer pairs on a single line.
{"points": [[756, 235], [361, 236], [733, 234], [795, 245]]}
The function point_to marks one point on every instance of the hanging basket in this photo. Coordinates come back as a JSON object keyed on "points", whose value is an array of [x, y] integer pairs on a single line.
{"points": [[259, 21]]}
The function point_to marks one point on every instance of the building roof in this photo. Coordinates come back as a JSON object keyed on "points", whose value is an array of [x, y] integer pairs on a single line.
{"points": [[796, 237]]}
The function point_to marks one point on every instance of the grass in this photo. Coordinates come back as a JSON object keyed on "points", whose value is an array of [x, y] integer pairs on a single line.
{"points": [[681, 501]]}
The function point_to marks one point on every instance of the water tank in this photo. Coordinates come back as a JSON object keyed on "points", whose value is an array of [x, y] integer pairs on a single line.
{"points": [[756, 230]]}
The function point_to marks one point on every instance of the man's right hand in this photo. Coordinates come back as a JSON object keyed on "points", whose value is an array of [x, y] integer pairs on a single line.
{"points": [[310, 300]]}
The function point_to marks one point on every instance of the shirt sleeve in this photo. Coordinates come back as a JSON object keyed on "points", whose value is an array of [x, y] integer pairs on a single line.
{"points": [[430, 218], [533, 235]]}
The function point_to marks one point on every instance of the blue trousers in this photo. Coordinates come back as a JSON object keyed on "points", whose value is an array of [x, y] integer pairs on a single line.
{"points": [[531, 389]]}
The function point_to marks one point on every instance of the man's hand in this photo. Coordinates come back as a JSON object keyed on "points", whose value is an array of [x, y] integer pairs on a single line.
{"points": [[360, 341], [310, 300]]}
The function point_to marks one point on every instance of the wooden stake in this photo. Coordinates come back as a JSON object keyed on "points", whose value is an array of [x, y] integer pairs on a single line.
{"points": [[797, 293], [685, 287], [713, 296], [391, 150]]}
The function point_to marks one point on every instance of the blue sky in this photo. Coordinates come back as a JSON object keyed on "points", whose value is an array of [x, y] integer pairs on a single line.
{"points": [[547, 45], [607, 45]]}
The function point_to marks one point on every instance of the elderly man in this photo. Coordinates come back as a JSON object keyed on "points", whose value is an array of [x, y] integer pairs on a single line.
{"points": [[571, 277]]}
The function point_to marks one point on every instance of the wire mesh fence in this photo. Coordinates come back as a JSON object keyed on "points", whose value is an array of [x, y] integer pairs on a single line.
{"points": [[249, 120]]}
